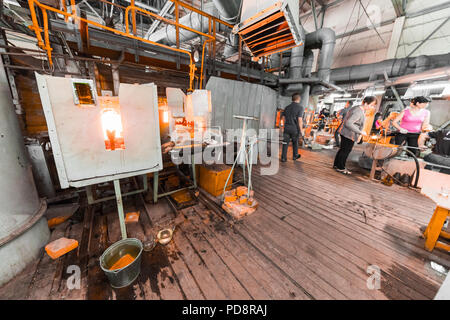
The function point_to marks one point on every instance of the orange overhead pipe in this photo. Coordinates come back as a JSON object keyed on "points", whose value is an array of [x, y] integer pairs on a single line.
{"points": [[191, 8], [203, 58], [131, 7], [45, 44], [133, 17]]}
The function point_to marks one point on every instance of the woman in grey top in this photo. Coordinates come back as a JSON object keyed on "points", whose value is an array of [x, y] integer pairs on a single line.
{"points": [[351, 132]]}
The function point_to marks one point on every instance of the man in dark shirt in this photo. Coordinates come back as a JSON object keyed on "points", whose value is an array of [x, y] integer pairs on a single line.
{"points": [[441, 150], [292, 119]]}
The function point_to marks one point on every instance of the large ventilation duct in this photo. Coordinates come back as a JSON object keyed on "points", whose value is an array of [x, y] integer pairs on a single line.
{"points": [[308, 61], [168, 34], [227, 10], [296, 64], [23, 230], [325, 40], [393, 68]]}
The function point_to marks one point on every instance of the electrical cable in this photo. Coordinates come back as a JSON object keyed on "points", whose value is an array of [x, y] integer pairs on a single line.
{"points": [[371, 21]]}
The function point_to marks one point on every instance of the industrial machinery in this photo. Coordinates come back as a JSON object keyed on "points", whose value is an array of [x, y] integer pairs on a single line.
{"points": [[23, 229], [191, 135], [99, 139]]}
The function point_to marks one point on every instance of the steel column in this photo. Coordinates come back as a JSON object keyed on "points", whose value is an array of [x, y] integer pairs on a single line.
{"points": [[123, 228]]}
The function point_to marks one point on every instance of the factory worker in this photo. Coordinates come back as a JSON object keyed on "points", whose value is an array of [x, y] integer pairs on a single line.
{"points": [[351, 132], [292, 119], [411, 121], [341, 114]]}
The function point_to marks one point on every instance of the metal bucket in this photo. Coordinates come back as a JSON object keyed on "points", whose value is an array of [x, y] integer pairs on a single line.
{"points": [[381, 151], [122, 277]]}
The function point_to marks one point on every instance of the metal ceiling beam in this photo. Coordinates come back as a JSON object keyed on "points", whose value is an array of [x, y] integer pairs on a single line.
{"points": [[167, 8], [329, 5], [321, 2], [429, 36], [371, 22], [110, 42], [313, 6], [428, 10], [324, 10], [356, 31], [398, 7], [390, 21], [146, 6]]}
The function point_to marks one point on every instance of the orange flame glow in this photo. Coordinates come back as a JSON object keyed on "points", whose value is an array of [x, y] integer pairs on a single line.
{"points": [[112, 129]]}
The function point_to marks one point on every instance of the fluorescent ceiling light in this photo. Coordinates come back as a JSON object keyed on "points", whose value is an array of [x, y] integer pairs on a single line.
{"points": [[426, 86]]}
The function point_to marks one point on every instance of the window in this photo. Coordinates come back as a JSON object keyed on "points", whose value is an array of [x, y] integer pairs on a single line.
{"points": [[84, 94]]}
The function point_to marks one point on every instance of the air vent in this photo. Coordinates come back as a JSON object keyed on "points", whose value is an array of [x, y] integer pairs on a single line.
{"points": [[268, 27]]}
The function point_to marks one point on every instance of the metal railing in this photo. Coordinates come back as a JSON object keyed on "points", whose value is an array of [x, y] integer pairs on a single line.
{"points": [[44, 41]]}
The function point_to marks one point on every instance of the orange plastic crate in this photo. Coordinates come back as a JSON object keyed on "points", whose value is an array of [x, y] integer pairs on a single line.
{"points": [[213, 178]]}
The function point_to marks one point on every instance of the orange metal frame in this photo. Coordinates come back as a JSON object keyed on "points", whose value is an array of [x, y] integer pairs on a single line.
{"points": [[45, 43]]}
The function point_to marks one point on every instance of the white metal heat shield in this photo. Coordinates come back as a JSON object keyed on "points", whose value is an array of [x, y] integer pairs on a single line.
{"points": [[77, 136]]}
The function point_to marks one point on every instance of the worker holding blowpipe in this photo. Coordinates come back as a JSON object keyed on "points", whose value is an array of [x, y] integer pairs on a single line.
{"points": [[351, 132]]}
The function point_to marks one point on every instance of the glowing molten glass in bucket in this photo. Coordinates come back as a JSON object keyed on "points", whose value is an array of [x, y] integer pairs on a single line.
{"points": [[112, 129]]}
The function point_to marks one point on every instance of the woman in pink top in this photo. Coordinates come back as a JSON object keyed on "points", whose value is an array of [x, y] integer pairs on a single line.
{"points": [[411, 121]]}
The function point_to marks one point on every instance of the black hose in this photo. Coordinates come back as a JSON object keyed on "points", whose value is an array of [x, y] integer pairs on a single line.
{"points": [[417, 167]]}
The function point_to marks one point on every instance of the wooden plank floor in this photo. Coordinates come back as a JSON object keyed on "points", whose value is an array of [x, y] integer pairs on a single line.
{"points": [[313, 236]]}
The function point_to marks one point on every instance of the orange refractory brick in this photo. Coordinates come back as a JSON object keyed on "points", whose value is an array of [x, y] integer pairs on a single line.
{"points": [[237, 210], [132, 217], [252, 202], [56, 221], [230, 198], [57, 248], [240, 191], [122, 262]]}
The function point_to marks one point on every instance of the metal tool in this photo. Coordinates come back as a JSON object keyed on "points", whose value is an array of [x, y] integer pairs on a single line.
{"points": [[245, 153]]}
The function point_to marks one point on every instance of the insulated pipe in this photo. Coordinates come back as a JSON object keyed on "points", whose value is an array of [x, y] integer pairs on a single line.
{"points": [[304, 102], [393, 67], [296, 64], [23, 231], [306, 70], [168, 34], [439, 73], [228, 11], [325, 40], [308, 63], [232, 45]]}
